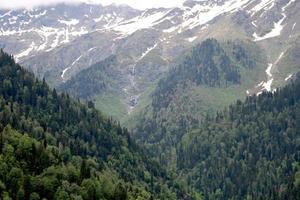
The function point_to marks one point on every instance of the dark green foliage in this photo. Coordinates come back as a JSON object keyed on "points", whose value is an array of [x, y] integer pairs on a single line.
{"points": [[57, 180], [175, 107], [92, 81], [249, 151], [208, 64], [75, 129]]}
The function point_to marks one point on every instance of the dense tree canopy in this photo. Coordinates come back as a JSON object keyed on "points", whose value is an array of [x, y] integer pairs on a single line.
{"points": [[177, 105], [74, 131], [56, 148], [92, 81], [249, 151]]}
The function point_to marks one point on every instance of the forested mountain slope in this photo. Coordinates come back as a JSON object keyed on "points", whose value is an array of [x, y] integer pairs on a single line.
{"points": [[212, 75], [97, 79], [97, 83], [70, 133], [251, 150], [34, 170]]}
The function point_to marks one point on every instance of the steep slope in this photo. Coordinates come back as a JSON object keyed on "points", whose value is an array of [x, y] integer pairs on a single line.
{"points": [[248, 151], [102, 84], [29, 106], [33, 170], [213, 75], [159, 35], [97, 79], [47, 28]]}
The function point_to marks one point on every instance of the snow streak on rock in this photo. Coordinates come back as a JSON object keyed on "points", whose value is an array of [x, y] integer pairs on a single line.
{"points": [[253, 23], [288, 77], [74, 62], [202, 14], [294, 25], [278, 26], [268, 85], [25, 52], [48, 29], [191, 39], [71, 22], [148, 51], [264, 4], [143, 21]]}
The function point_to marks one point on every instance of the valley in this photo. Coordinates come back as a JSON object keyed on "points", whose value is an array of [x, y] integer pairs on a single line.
{"points": [[198, 101]]}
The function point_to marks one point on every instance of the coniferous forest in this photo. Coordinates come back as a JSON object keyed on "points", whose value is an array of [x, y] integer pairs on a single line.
{"points": [[150, 100], [248, 151], [55, 147]]}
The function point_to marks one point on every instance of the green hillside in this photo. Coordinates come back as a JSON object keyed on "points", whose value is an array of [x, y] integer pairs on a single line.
{"points": [[71, 134], [248, 151], [213, 75]]}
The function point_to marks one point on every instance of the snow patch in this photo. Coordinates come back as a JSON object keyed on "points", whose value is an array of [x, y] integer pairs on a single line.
{"points": [[41, 14], [63, 73], [279, 58], [172, 29], [13, 20], [6, 14], [98, 19], [141, 22], [288, 77], [74, 62], [35, 15], [192, 39], [71, 22], [25, 52], [253, 23], [260, 84], [51, 37], [147, 51], [294, 25], [91, 49], [68, 68], [268, 85], [202, 14], [268, 70], [276, 31], [262, 5], [278, 26]]}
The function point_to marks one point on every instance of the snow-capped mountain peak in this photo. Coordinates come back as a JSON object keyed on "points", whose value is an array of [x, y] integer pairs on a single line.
{"points": [[60, 41]]}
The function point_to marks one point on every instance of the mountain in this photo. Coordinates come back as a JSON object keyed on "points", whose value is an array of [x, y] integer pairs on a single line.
{"points": [[67, 39], [248, 151], [207, 79], [52, 145], [208, 91]]}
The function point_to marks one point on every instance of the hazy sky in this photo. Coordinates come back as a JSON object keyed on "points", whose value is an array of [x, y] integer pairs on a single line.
{"points": [[140, 4]]}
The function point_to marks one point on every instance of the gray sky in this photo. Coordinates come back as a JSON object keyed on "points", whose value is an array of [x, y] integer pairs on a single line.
{"points": [[140, 4]]}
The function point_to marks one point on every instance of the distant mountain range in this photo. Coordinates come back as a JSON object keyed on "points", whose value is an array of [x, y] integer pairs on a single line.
{"points": [[58, 42]]}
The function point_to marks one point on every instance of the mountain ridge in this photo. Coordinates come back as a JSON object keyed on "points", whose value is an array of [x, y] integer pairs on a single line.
{"points": [[160, 33]]}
